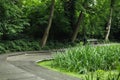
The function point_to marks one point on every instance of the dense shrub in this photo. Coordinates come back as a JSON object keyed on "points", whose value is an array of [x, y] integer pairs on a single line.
{"points": [[19, 45], [29, 45]]}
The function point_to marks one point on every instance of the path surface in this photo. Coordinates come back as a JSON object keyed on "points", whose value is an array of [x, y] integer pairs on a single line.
{"points": [[24, 67]]}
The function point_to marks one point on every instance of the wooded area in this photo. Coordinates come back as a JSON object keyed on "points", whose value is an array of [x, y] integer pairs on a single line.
{"points": [[42, 21]]}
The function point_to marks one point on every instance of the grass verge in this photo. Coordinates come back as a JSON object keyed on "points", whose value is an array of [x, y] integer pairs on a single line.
{"points": [[47, 64], [101, 74]]}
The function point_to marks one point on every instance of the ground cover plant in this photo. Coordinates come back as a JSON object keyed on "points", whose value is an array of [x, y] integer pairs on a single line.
{"points": [[85, 59], [28, 45], [102, 75], [19, 45]]}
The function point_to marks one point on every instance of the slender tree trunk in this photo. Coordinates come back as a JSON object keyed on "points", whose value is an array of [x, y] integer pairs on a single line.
{"points": [[76, 30], [109, 25], [46, 33]]}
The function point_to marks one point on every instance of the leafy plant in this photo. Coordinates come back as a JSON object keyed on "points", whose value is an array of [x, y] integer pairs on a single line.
{"points": [[11, 18], [101, 75], [19, 45], [88, 58]]}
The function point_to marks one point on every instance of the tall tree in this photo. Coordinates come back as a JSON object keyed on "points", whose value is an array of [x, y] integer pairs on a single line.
{"points": [[109, 21], [80, 19], [46, 33], [88, 7], [76, 30]]}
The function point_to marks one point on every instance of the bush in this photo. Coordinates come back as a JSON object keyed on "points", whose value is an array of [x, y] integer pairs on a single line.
{"points": [[19, 45], [28, 45]]}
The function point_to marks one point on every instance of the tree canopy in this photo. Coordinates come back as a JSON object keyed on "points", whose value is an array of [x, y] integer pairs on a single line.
{"points": [[76, 19]]}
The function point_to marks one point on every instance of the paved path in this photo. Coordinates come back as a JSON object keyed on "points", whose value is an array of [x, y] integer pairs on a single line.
{"points": [[24, 67]]}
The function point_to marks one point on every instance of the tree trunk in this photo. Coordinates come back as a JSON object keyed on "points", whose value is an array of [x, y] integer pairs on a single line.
{"points": [[109, 25], [46, 33], [76, 30]]}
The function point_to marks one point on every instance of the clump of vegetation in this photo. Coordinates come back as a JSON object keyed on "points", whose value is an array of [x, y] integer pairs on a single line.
{"points": [[29, 45], [88, 58], [102, 75], [19, 45]]}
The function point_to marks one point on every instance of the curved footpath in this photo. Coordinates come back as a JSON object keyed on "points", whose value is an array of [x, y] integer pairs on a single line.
{"points": [[22, 66]]}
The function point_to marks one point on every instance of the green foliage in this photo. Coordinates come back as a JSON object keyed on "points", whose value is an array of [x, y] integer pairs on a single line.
{"points": [[2, 49], [29, 45], [95, 19], [57, 45], [29, 18], [37, 14], [88, 58], [101, 75], [19, 45], [11, 18], [115, 30]]}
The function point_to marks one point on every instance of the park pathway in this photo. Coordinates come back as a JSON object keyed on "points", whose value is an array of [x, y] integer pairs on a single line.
{"points": [[22, 66]]}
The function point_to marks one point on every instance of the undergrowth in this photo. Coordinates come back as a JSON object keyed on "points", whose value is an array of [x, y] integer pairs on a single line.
{"points": [[18, 45], [28, 45]]}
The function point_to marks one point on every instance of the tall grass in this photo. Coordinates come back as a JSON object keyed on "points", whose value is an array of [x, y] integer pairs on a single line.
{"points": [[88, 58]]}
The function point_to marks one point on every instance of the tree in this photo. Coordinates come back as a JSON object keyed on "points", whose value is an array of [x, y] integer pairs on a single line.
{"points": [[109, 21], [76, 30], [46, 33], [80, 19]]}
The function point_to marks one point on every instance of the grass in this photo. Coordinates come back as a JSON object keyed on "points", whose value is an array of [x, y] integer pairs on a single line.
{"points": [[47, 64], [88, 62], [101, 74], [85, 59]]}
